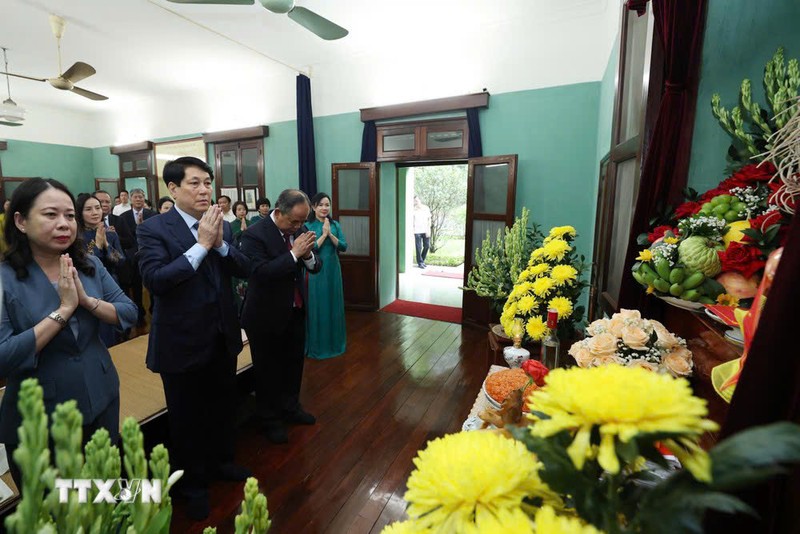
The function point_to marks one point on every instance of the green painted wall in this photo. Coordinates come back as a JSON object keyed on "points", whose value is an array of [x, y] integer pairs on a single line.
{"points": [[402, 174], [554, 132], [104, 163], [70, 165], [387, 234], [740, 37]]}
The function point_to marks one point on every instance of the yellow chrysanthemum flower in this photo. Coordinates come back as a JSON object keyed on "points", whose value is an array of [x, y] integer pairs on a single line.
{"points": [[404, 527], [506, 521], [563, 274], [524, 276], [556, 249], [536, 328], [560, 231], [562, 305], [650, 290], [622, 402], [538, 269], [727, 300], [547, 522], [526, 303], [537, 254], [449, 488], [542, 285], [645, 255]]}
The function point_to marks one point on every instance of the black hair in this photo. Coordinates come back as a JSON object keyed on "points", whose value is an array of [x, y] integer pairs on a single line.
{"points": [[19, 254], [315, 200], [122, 191], [102, 191], [162, 200], [224, 196], [80, 202], [263, 200], [175, 170], [238, 203]]}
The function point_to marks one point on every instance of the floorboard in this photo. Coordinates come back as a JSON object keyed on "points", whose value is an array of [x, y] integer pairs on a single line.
{"points": [[403, 381]]}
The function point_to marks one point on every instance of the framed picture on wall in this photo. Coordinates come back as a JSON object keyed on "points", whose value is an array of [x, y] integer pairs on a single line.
{"points": [[170, 150], [250, 199]]}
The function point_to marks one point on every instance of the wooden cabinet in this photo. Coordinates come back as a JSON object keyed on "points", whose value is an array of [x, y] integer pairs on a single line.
{"points": [[423, 140]]}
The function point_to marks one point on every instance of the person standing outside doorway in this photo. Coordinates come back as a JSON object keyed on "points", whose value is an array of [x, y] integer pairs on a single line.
{"points": [[422, 231]]}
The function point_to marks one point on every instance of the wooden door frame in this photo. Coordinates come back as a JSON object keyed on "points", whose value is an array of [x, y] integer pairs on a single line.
{"points": [[374, 224]]}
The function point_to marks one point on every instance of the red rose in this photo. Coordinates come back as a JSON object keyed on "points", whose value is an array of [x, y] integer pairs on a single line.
{"points": [[659, 231], [536, 370], [687, 209], [744, 259], [748, 175], [765, 220]]}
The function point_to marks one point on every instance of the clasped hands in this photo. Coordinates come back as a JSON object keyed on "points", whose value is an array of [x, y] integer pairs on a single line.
{"points": [[209, 231], [70, 288], [303, 244]]}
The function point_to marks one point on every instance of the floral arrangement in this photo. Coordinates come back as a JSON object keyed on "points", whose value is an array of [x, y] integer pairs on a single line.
{"points": [[498, 262], [552, 279], [629, 340], [39, 509], [714, 246], [587, 460]]}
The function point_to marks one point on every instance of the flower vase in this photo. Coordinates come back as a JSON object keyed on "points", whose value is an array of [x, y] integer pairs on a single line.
{"points": [[514, 356]]}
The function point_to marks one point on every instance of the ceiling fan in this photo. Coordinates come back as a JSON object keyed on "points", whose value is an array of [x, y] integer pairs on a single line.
{"points": [[10, 113], [66, 80], [306, 18]]}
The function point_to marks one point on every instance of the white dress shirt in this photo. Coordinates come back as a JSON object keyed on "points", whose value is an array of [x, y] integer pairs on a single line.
{"points": [[197, 253], [119, 209]]}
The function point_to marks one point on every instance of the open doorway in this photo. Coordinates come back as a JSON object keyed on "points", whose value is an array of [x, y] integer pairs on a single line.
{"points": [[431, 269]]}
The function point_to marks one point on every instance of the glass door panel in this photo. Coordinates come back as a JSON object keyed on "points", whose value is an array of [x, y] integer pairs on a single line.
{"points": [[491, 189], [227, 176], [354, 189], [250, 162]]}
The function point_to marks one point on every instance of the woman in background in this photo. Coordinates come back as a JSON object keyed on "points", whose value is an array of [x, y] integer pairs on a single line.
{"points": [[55, 296], [165, 204], [103, 245], [237, 227], [326, 328]]}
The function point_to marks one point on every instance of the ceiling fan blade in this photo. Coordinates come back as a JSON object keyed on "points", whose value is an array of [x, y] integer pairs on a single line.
{"points": [[317, 24], [25, 77], [88, 94], [79, 71], [4, 123], [278, 6], [221, 2]]}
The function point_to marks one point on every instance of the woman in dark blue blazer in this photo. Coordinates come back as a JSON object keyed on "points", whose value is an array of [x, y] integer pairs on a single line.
{"points": [[55, 297]]}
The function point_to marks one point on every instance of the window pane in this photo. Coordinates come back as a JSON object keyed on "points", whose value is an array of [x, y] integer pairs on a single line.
{"points": [[249, 166], [479, 229], [635, 47], [127, 166], [136, 183], [8, 189], [451, 139], [228, 168], [141, 164], [353, 193], [356, 232], [624, 198], [491, 188], [393, 143]]}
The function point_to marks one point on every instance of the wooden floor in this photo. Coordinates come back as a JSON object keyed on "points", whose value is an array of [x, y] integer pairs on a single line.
{"points": [[402, 382]]}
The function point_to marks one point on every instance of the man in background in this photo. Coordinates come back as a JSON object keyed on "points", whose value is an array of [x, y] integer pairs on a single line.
{"points": [[187, 263], [123, 205], [274, 316], [225, 203], [109, 219], [128, 222], [422, 231]]}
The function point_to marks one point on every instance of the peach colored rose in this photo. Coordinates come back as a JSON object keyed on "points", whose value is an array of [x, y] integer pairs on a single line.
{"points": [[665, 338], [677, 363], [615, 325], [582, 356], [607, 359], [635, 337], [643, 364], [627, 315], [597, 327], [602, 345]]}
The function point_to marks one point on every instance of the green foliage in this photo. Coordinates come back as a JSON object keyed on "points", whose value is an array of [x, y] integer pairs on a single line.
{"points": [[748, 123], [445, 261], [442, 188], [498, 262], [39, 509], [637, 500]]}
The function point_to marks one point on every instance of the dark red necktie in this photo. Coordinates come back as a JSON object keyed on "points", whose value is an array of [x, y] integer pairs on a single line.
{"points": [[298, 297]]}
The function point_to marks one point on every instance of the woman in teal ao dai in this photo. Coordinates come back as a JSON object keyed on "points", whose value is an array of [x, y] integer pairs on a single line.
{"points": [[326, 330]]}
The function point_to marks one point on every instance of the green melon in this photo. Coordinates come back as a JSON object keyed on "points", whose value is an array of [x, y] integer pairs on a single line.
{"points": [[700, 254]]}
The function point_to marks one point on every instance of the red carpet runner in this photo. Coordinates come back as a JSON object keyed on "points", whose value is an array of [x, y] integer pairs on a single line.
{"points": [[427, 311]]}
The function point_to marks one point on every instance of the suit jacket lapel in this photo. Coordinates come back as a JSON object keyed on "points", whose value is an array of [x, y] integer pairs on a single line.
{"points": [[183, 235]]}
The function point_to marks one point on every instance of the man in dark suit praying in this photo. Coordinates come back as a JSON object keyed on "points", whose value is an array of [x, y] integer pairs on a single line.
{"points": [[128, 223], [273, 314], [187, 263]]}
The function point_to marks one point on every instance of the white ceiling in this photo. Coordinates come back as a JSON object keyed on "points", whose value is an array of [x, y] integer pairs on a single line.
{"points": [[171, 69]]}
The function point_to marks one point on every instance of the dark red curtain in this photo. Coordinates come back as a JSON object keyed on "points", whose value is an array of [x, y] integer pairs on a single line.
{"points": [[769, 391], [679, 26]]}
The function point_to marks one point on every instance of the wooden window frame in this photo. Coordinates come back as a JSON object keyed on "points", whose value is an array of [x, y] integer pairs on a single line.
{"points": [[237, 146], [421, 152]]}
